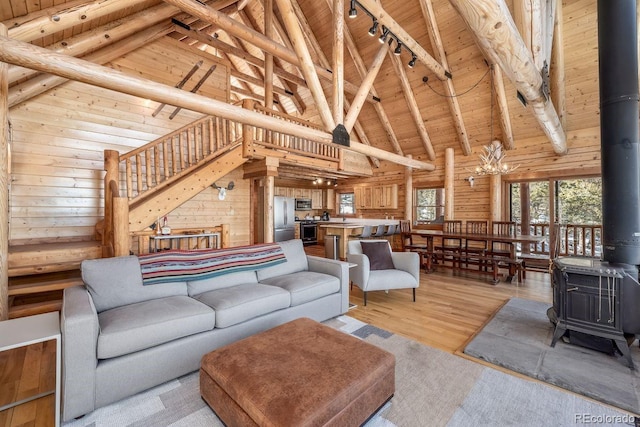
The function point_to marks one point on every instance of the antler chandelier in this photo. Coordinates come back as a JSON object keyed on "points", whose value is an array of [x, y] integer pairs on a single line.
{"points": [[492, 160]]}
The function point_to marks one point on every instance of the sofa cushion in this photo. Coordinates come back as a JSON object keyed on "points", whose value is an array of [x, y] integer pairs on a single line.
{"points": [[196, 287], [239, 303], [109, 290], [296, 261], [379, 254], [134, 327], [305, 286]]}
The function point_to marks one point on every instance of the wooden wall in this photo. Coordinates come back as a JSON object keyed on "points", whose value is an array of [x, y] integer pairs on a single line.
{"points": [[58, 141]]}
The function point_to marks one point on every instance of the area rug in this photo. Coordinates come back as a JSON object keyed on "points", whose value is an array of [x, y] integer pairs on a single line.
{"points": [[518, 338], [433, 388]]}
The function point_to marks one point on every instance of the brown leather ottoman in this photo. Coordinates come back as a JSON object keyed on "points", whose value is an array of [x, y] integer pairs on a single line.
{"points": [[301, 373]]}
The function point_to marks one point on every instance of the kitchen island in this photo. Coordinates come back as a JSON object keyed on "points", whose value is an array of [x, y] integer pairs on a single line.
{"points": [[344, 229]]}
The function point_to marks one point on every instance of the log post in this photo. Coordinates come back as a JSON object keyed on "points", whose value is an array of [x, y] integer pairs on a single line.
{"points": [[408, 193], [4, 187], [495, 197], [338, 61], [111, 161], [121, 240], [449, 185], [247, 131], [268, 226], [225, 237]]}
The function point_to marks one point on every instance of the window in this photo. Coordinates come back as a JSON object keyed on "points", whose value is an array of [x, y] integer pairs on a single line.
{"points": [[429, 205], [347, 204]]}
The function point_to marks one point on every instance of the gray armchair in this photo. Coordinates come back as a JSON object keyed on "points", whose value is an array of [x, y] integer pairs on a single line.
{"points": [[404, 274]]}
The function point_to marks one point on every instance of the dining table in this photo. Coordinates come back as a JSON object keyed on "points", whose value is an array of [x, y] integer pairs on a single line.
{"points": [[489, 238]]}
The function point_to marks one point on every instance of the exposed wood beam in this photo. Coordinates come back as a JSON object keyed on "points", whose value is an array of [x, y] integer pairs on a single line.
{"points": [[498, 38], [337, 98], [324, 61], [306, 63], [30, 56], [413, 105], [385, 19], [256, 81], [503, 107], [557, 65], [362, 71], [452, 100], [250, 35], [277, 62], [24, 91], [367, 82], [240, 53], [549, 10], [4, 187], [528, 17], [268, 58], [57, 18]]}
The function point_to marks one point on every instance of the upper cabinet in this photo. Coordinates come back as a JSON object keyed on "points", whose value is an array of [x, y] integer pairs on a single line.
{"points": [[330, 198], [316, 199], [377, 197]]}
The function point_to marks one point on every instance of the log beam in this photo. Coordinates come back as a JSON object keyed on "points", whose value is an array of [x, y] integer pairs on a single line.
{"points": [[30, 56], [414, 109], [498, 38], [450, 91], [338, 61], [374, 7], [4, 187], [557, 65], [503, 107], [367, 82], [257, 39], [268, 58], [305, 63]]}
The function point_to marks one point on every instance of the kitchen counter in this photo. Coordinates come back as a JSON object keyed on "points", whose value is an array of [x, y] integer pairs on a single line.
{"points": [[344, 229]]}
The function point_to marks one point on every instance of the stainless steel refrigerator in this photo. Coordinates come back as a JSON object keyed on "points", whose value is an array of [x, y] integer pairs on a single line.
{"points": [[284, 218]]}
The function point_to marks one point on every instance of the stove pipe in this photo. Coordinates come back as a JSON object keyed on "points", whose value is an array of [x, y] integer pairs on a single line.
{"points": [[618, 66]]}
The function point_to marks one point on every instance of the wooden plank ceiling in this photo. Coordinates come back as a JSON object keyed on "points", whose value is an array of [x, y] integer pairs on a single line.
{"points": [[415, 111]]}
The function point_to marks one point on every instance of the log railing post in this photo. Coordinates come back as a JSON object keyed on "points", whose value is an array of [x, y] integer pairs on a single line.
{"points": [[247, 134], [225, 237], [111, 162], [121, 241]]}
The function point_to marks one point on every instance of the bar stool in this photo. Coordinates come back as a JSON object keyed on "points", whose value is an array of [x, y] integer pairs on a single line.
{"points": [[366, 233], [379, 232]]}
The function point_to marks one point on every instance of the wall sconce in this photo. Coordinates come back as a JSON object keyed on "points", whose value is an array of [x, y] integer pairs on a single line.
{"points": [[222, 191], [470, 180]]}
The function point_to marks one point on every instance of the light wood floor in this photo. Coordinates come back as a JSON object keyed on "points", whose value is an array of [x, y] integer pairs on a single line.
{"points": [[449, 309]]}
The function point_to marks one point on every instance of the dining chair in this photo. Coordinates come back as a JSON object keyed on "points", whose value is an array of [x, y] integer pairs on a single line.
{"points": [[502, 228], [450, 248], [476, 247]]}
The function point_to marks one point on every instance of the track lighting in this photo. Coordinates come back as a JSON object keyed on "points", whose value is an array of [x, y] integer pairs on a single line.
{"points": [[374, 28], [412, 63], [398, 50], [385, 34], [353, 12]]}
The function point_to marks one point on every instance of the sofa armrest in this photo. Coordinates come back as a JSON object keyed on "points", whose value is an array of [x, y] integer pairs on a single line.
{"points": [[79, 328], [407, 261], [360, 273], [339, 269]]}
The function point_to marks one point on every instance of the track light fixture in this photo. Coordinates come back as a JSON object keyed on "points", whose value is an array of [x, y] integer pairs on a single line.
{"points": [[374, 28], [385, 35], [353, 12], [398, 50], [412, 63]]}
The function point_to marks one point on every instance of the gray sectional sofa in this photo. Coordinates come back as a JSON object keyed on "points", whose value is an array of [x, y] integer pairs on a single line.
{"points": [[120, 337]]}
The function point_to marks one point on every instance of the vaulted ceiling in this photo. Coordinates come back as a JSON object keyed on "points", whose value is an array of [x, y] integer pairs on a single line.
{"points": [[462, 92]]}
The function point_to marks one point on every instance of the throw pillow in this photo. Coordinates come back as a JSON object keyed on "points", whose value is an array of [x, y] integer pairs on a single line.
{"points": [[379, 254]]}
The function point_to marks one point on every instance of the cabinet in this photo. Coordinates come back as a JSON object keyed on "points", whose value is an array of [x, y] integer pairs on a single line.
{"points": [[377, 197], [284, 191], [364, 197], [316, 199], [330, 198], [41, 329]]}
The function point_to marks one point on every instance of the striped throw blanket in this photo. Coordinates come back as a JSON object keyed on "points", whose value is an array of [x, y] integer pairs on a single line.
{"points": [[176, 265]]}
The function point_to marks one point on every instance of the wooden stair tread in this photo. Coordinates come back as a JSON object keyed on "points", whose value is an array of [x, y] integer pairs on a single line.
{"points": [[51, 257], [33, 284], [31, 309]]}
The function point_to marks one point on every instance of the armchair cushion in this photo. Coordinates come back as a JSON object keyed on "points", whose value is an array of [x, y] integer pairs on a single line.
{"points": [[379, 254]]}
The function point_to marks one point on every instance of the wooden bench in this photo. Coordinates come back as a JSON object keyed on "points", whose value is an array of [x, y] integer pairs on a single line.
{"points": [[486, 264]]}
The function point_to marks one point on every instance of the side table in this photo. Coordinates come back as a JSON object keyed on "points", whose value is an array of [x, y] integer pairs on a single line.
{"points": [[24, 331]]}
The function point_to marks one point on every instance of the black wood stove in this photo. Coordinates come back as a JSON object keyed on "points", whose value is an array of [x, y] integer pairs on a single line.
{"points": [[601, 298]]}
